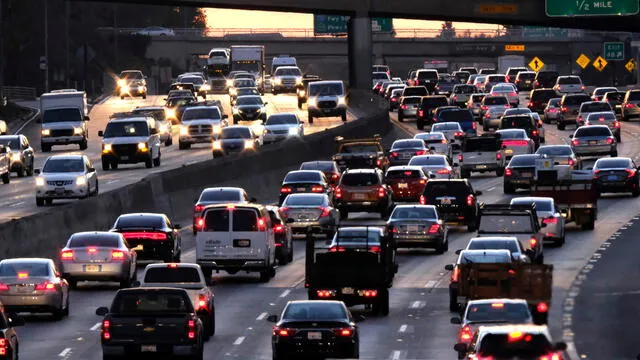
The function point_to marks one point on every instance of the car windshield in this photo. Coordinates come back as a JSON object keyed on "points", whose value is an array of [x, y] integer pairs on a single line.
{"points": [[78, 241], [403, 174], [495, 100], [283, 71], [244, 83], [613, 164], [596, 106], [193, 80], [306, 311], [25, 268], [195, 114], [177, 275], [236, 133], [61, 115], [523, 161], [140, 302], [358, 148], [220, 196], [445, 127], [282, 119], [249, 100], [247, 91], [131, 75], [569, 81], [12, 142], [428, 161], [498, 312], [541, 205], [327, 89], [505, 224], [318, 165], [304, 200], [493, 244], [303, 176], [485, 257], [416, 213], [63, 166], [592, 131], [173, 102], [126, 129], [526, 346], [555, 150], [407, 144], [360, 179]]}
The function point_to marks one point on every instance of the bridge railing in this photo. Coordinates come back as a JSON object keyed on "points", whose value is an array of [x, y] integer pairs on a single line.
{"points": [[18, 93]]}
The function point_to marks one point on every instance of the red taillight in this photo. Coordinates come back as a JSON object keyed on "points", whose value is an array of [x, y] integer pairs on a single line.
{"points": [[283, 332], [444, 141], [515, 143], [375, 249], [609, 140], [370, 293], [471, 200], [4, 287], [513, 94], [202, 302], [443, 171], [325, 212], [507, 106], [198, 208], [337, 249], [382, 192], [3, 347], [92, 250], [571, 162], [106, 327], [575, 142], [394, 154], [551, 357], [508, 172], [534, 133], [533, 242], [455, 274], [199, 223], [343, 332], [67, 255], [484, 107], [457, 133], [421, 152], [325, 293], [338, 193], [335, 176], [286, 190], [117, 255], [46, 286], [552, 110], [537, 83], [498, 156], [278, 229], [616, 124], [579, 117], [628, 105], [378, 162], [542, 307], [460, 157], [423, 200], [465, 334], [434, 228], [394, 99], [317, 189], [549, 220], [404, 107], [262, 224], [145, 235], [191, 329], [420, 113], [474, 125], [564, 109]]}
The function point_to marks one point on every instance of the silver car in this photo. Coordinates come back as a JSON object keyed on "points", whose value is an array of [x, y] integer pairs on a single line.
{"points": [[550, 218], [478, 82], [552, 110], [33, 285], [569, 84], [516, 142], [282, 126], [65, 177], [403, 150], [493, 108], [507, 90], [494, 79], [590, 107], [605, 118], [437, 143], [419, 226], [452, 131], [98, 256], [594, 140], [510, 243], [434, 166], [310, 210], [408, 107], [561, 155]]}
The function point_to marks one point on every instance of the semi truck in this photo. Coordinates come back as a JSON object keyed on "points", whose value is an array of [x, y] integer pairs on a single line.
{"points": [[250, 58]]}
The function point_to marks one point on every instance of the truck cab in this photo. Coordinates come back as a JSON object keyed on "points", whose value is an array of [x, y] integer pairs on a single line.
{"points": [[364, 153], [64, 117], [286, 79], [326, 99]]}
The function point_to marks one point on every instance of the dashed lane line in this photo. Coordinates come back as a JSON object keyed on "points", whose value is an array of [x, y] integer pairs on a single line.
{"points": [[261, 316], [239, 340]]}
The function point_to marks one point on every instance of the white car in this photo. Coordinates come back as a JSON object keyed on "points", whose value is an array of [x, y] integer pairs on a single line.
{"points": [[282, 126], [155, 31], [434, 166], [507, 90], [200, 124], [549, 215], [437, 143], [65, 177], [569, 84], [379, 76], [452, 130]]}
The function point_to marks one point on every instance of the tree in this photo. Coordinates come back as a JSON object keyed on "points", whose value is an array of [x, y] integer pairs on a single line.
{"points": [[448, 31], [200, 18]]}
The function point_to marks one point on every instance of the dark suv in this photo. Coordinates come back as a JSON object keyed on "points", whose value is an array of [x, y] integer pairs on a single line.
{"points": [[427, 106], [545, 79], [569, 109], [455, 200], [538, 99]]}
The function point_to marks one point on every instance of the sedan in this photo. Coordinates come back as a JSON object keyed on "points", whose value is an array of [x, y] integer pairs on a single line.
{"points": [[437, 143], [507, 90], [98, 256], [552, 110], [435, 166], [630, 107], [403, 150], [516, 142], [282, 126], [22, 154], [493, 108], [245, 91], [304, 211], [519, 173], [304, 181], [408, 107], [549, 216], [453, 132], [65, 177], [618, 174], [598, 93], [594, 140], [589, 107], [315, 327], [33, 285], [394, 99], [605, 118], [249, 108], [329, 169], [418, 226], [152, 236], [561, 155], [236, 139]]}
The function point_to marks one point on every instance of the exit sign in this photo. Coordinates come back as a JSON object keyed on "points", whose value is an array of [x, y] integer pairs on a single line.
{"points": [[613, 51], [562, 8]]}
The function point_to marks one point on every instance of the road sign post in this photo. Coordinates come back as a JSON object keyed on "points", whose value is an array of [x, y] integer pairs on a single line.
{"points": [[600, 63], [536, 64], [564, 8], [613, 51]]}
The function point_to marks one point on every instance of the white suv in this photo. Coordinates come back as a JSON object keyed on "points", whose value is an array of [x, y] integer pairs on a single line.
{"points": [[65, 177], [326, 98]]}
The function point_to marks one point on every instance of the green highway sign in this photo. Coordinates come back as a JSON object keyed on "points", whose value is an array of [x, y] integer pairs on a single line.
{"points": [[562, 8], [544, 32], [335, 24], [613, 51]]}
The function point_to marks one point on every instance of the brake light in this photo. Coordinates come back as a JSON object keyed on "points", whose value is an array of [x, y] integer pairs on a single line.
{"points": [[455, 97], [382, 192], [575, 142], [460, 157], [571, 162], [394, 154], [533, 242], [552, 110], [564, 109], [465, 334], [551, 357], [343, 332], [616, 124], [542, 307], [67, 255], [508, 172], [631, 172], [370, 293], [515, 143], [423, 200], [145, 235], [455, 274], [378, 162], [537, 83], [609, 140], [198, 208], [470, 200], [283, 332], [549, 220], [404, 107], [508, 78], [199, 223], [443, 171], [421, 152], [534, 132], [484, 107], [325, 212], [375, 249], [393, 99], [262, 224], [117, 255], [172, 265], [628, 105], [444, 141], [434, 228], [317, 189], [106, 327], [507, 106], [4, 287], [46, 286], [457, 133], [325, 293], [23, 275], [420, 113], [497, 305], [92, 250], [513, 94], [515, 336], [579, 117], [202, 302], [498, 156], [474, 125], [337, 249], [191, 329], [338, 193], [278, 229], [286, 190], [335, 176]]}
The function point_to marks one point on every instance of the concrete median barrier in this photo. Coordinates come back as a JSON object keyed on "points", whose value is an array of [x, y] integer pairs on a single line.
{"points": [[173, 192]]}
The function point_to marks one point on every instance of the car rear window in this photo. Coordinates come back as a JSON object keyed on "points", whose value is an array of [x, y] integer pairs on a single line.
{"points": [[415, 91], [594, 117], [220, 195], [303, 176], [31, 269], [498, 312], [495, 100], [151, 302], [417, 213], [575, 100], [569, 81], [359, 179], [434, 101], [172, 275], [464, 89], [445, 127], [602, 91], [634, 95], [593, 131], [477, 98], [308, 311], [440, 188], [541, 205], [481, 144], [427, 161], [543, 95], [407, 144], [594, 107], [245, 220], [496, 78], [554, 150], [614, 96], [89, 240], [505, 224], [547, 75], [485, 258], [462, 115], [432, 138], [411, 100], [428, 75], [517, 122], [526, 76], [493, 244], [216, 220], [613, 163], [403, 174], [320, 166], [512, 134], [522, 161], [140, 222]]}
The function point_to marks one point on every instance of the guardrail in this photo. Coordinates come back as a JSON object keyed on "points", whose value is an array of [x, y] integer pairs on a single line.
{"points": [[18, 93]]}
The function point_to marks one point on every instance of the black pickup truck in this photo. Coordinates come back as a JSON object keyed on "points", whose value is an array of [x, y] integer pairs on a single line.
{"points": [[366, 153], [358, 268], [151, 321]]}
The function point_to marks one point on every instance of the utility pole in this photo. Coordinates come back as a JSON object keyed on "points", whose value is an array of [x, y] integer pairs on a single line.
{"points": [[115, 35], [67, 15], [2, 58], [46, 46]]}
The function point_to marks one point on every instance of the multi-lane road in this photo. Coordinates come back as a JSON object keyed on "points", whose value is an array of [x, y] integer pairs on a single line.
{"points": [[418, 325]]}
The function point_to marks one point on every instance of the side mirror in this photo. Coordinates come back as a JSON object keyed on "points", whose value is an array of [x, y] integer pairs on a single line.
{"points": [[272, 318], [458, 251], [560, 346], [16, 320], [448, 267], [36, 171], [543, 225], [91, 170], [86, 118], [266, 103], [135, 283], [177, 226], [570, 136], [478, 193], [102, 311], [460, 347], [3, 149], [456, 321], [528, 98], [154, 131], [100, 133]]}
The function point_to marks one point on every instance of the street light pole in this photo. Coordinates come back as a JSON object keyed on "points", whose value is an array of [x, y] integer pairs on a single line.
{"points": [[2, 58], [46, 46], [67, 15]]}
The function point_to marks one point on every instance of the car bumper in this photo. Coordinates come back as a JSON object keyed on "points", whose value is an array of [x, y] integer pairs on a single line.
{"points": [[408, 113], [284, 88], [551, 116], [635, 111], [406, 195], [461, 216], [301, 227], [593, 150], [398, 162], [270, 138], [338, 111], [134, 91], [552, 231], [492, 122], [105, 271], [362, 206], [62, 140], [233, 264], [62, 192], [418, 240], [519, 183], [126, 159], [480, 167], [129, 347], [331, 349], [520, 150], [625, 185], [32, 303], [197, 139], [248, 117]]}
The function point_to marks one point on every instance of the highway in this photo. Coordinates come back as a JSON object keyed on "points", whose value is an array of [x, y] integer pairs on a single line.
{"points": [[17, 199], [418, 325]]}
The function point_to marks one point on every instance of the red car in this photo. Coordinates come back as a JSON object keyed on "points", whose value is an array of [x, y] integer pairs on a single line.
{"points": [[406, 182]]}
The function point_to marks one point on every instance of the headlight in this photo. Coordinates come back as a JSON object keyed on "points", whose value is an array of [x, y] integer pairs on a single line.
{"points": [[16, 157], [260, 109], [170, 113], [342, 100], [312, 102], [299, 81], [217, 129], [205, 87], [81, 180], [39, 181], [236, 111], [124, 89], [106, 148], [45, 132], [293, 131], [233, 91], [77, 131], [184, 130], [248, 144], [302, 93], [142, 146], [265, 131], [122, 82], [217, 145], [258, 81], [164, 128], [229, 82], [277, 81]]}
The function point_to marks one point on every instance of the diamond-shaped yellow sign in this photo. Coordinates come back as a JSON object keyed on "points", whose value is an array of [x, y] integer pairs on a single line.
{"points": [[630, 66], [583, 61], [600, 63], [536, 64]]}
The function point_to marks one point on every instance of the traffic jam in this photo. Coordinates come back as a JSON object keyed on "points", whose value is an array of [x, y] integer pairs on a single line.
{"points": [[355, 214]]}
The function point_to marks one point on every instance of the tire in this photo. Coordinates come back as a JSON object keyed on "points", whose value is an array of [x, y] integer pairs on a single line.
{"points": [[6, 178], [57, 314], [508, 188], [22, 172], [471, 227], [589, 225], [45, 147], [543, 140], [344, 116], [157, 161], [39, 202], [97, 190], [344, 214], [310, 118], [383, 302], [635, 192], [125, 283], [618, 138], [500, 172], [265, 276], [148, 163], [73, 283], [114, 165], [561, 125], [614, 153], [282, 258], [144, 97], [419, 123], [442, 247], [299, 104], [559, 241], [485, 126], [207, 272], [105, 165], [290, 253], [206, 334], [30, 169], [400, 118], [83, 144], [183, 146], [169, 142], [121, 97]]}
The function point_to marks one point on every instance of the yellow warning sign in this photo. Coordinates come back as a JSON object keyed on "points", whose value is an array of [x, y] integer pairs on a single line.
{"points": [[600, 63], [536, 64], [630, 66], [583, 61]]}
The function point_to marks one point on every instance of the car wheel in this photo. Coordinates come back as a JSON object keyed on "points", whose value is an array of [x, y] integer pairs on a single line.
{"points": [[169, 142], [105, 165], [73, 283], [148, 163], [344, 214], [485, 126], [508, 188], [559, 241], [561, 125], [400, 118], [6, 178], [49, 202], [265, 276], [84, 144], [453, 301], [500, 172], [39, 202], [45, 147], [440, 248], [465, 174], [125, 283], [208, 272], [310, 118], [619, 138], [290, 253], [344, 116], [30, 169], [614, 153], [419, 123], [22, 172], [97, 190], [636, 191], [114, 165], [156, 161]]}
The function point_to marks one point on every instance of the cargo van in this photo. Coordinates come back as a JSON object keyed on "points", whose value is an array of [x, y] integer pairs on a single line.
{"points": [[64, 117], [236, 237]]}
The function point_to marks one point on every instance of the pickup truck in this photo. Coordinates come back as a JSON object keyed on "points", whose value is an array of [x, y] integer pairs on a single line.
{"points": [[151, 321], [360, 153], [190, 278]]}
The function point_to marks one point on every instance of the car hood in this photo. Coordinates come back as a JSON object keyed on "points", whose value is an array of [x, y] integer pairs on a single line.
{"points": [[62, 125], [125, 140], [249, 107]]}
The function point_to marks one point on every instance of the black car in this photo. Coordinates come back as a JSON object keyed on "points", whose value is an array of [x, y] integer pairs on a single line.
{"points": [[615, 175], [21, 154], [235, 139], [455, 200], [519, 173], [545, 79], [428, 105], [539, 98], [283, 236], [304, 181], [615, 98], [249, 108], [328, 167], [243, 92], [8, 323], [315, 328], [198, 83], [153, 236]]}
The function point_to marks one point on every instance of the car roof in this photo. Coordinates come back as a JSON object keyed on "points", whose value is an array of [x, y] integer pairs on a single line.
{"points": [[486, 252], [368, 229], [494, 238], [97, 234], [506, 329], [141, 214], [326, 82], [435, 181], [592, 126], [361, 171], [415, 206], [498, 300], [236, 205], [65, 157], [222, 188], [435, 156], [173, 265], [448, 123]]}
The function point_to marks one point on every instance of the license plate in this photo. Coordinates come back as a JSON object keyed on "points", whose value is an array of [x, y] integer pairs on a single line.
{"points": [[314, 335], [412, 228], [241, 243], [508, 151], [302, 189], [612, 177], [403, 186], [59, 190], [593, 142], [326, 110], [481, 166], [92, 268], [148, 348], [528, 82], [124, 158], [526, 174], [347, 291], [359, 196], [24, 289]]}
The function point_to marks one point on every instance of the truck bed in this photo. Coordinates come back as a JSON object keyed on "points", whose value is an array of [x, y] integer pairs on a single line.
{"points": [[574, 193]]}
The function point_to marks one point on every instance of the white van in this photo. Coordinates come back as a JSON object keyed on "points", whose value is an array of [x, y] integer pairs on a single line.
{"points": [[325, 99], [282, 60], [236, 237]]}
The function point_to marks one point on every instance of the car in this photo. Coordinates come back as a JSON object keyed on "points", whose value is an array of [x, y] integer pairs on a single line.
{"points": [[328, 167], [525, 79], [512, 73], [131, 83], [360, 153], [520, 172], [452, 131], [199, 84], [379, 76], [437, 143], [152, 235], [552, 110], [244, 91], [404, 149], [594, 140], [427, 107], [510, 243], [388, 84], [589, 107], [65, 177], [464, 117], [455, 200], [549, 215], [475, 104], [461, 94], [174, 106], [605, 118], [283, 235], [631, 105], [493, 107], [236, 139], [217, 195], [304, 181], [162, 124], [539, 98], [381, 68], [394, 98], [525, 122], [393, 86], [333, 321], [181, 89], [418, 226], [155, 31], [435, 166], [408, 107], [285, 79], [282, 126], [482, 154], [363, 190], [98, 256], [598, 93], [619, 174], [21, 154], [406, 182], [490, 312], [200, 125], [615, 98], [352, 238], [479, 81], [516, 142], [493, 79], [545, 79], [569, 109], [48, 291], [461, 76], [445, 85], [304, 210], [427, 78], [249, 108], [507, 90], [437, 112], [561, 155], [130, 140], [242, 83], [325, 99], [569, 84]]}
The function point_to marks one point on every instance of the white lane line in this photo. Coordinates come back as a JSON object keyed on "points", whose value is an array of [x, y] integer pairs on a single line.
{"points": [[285, 293], [431, 284], [403, 328], [395, 355], [491, 188], [65, 352], [239, 340], [96, 327], [16, 204], [27, 122], [261, 316], [113, 181], [417, 304]]}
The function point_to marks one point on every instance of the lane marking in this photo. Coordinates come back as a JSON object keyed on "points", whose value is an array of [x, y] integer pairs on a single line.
{"points": [[261, 316], [113, 181], [417, 304], [395, 355], [29, 121], [285, 293], [16, 204], [96, 326], [491, 188], [65, 352], [403, 328], [430, 284], [239, 340]]}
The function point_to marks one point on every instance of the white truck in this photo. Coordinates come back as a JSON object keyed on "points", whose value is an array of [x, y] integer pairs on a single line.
{"points": [[250, 58], [510, 61], [282, 60], [64, 117], [218, 67]]}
